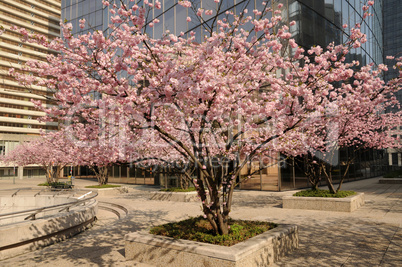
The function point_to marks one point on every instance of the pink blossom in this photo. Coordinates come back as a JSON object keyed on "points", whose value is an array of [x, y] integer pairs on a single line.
{"points": [[292, 43], [82, 23], [356, 44], [184, 3], [208, 12]]}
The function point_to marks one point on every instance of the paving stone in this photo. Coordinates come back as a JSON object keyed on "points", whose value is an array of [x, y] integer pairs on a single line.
{"points": [[370, 236]]}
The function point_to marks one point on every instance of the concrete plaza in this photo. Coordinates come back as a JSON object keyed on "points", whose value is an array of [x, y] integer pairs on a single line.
{"points": [[370, 236]]}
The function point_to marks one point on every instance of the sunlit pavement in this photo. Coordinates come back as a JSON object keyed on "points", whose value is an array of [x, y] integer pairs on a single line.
{"points": [[370, 236]]}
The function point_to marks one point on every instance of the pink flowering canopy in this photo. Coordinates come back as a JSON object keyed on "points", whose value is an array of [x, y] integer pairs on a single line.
{"points": [[51, 151], [247, 89]]}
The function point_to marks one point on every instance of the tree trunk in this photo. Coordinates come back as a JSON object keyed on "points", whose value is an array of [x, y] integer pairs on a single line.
{"points": [[184, 183], [101, 174], [57, 173], [219, 223], [49, 174], [314, 187], [344, 176], [328, 178], [216, 214], [312, 171]]}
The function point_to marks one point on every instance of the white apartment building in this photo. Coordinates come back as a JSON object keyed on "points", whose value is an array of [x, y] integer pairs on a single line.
{"points": [[17, 113]]}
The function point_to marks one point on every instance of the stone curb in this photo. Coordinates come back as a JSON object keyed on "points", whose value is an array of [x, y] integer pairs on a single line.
{"points": [[390, 181], [347, 204], [261, 250]]}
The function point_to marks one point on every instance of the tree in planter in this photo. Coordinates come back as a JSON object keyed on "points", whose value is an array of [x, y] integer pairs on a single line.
{"points": [[238, 94], [97, 147], [358, 121], [324, 164], [49, 151]]}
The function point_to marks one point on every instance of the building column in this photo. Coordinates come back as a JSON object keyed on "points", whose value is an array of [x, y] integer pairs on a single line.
{"points": [[20, 172], [399, 159]]}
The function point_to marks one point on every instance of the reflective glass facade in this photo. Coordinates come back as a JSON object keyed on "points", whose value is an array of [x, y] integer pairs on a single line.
{"points": [[91, 10], [393, 47], [392, 35], [319, 22]]}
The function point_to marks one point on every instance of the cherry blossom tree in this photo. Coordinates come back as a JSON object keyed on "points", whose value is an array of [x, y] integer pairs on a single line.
{"points": [[357, 120], [49, 151], [96, 150], [246, 90]]}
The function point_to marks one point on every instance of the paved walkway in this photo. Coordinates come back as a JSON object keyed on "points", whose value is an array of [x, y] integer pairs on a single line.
{"points": [[370, 236]]}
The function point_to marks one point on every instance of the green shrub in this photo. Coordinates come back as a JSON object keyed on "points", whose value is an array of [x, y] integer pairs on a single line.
{"points": [[199, 229], [103, 186], [323, 193], [178, 189], [53, 184]]}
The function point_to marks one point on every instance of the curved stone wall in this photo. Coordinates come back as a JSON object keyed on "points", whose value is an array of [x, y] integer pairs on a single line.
{"points": [[18, 235]]}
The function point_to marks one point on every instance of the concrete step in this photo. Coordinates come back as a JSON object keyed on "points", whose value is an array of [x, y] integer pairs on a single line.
{"points": [[116, 209]]}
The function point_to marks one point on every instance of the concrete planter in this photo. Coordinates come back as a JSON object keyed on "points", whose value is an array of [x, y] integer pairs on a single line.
{"points": [[20, 237], [390, 181], [109, 191], [174, 196], [347, 204], [261, 250]]}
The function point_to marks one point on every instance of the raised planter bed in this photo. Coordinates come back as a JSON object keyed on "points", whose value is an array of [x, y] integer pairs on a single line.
{"points": [[174, 196], [261, 250], [390, 181], [347, 204], [109, 191], [61, 185]]}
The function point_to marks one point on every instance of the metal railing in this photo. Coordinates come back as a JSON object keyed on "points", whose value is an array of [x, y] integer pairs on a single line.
{"points": [[32, 213]]}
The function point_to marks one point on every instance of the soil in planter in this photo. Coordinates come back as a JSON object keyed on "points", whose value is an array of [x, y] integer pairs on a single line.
{"points": [[178, 189], [323, 193], [199, 229]]}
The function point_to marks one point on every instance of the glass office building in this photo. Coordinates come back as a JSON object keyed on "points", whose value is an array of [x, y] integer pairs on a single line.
{"points": [[318, 22], [393, 47]]}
